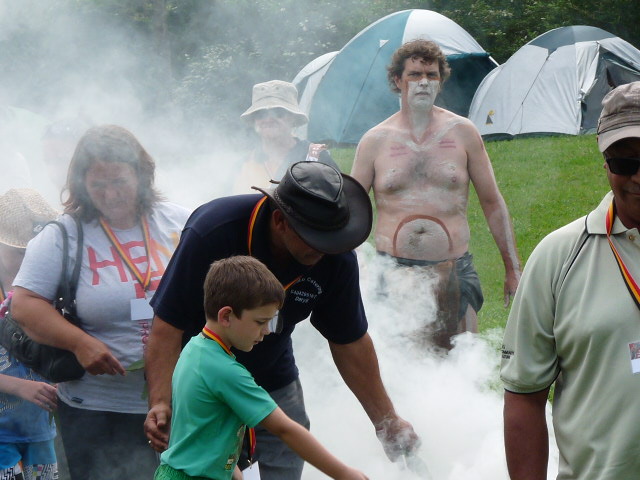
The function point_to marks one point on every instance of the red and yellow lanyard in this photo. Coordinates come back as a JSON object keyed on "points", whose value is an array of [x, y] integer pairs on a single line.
{"points": [[251, 433], [145, 279], [252, 223], [631, 284]]}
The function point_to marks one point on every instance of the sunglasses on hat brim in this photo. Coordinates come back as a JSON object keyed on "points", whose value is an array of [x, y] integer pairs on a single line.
{"points": [[623, 166]]}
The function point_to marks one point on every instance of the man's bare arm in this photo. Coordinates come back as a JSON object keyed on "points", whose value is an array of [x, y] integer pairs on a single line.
{"points": [[363, 169], [526, 438], [357, 363], [161, 356], [494, 209]]}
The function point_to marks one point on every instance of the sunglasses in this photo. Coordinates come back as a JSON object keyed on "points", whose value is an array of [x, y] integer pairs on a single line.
{"points": [[623, 166], [270, 112]]}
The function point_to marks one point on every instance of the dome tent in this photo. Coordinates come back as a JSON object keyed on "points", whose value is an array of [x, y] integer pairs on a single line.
{"points": [[554, 84], [352, 94], [306, 81]]}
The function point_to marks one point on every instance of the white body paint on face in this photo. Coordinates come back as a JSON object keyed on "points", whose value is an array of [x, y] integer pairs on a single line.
{"points": [[422, 94]]}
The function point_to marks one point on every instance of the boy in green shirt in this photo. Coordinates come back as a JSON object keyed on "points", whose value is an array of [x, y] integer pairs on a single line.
{"points": [[215, 398]]}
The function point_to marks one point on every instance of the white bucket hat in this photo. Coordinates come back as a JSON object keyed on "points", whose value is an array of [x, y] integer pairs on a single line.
{"points": [[23, 214], [276, 94]]}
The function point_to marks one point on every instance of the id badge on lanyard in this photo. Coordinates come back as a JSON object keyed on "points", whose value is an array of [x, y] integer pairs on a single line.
{"points": [[140, 307]]}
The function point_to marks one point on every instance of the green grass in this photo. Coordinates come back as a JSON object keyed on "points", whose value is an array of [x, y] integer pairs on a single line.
{"points": [[547, 182]]}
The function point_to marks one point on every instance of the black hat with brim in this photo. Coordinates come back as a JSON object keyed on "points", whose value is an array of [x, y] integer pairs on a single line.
{"points": [[329, 210]]}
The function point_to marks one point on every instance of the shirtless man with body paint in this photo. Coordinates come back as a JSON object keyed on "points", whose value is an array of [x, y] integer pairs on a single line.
{"points": [[419, 162]]}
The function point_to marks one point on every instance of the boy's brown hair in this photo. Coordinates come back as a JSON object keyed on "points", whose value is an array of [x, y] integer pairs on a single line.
{"points": [[242, 283], [419, 49]]}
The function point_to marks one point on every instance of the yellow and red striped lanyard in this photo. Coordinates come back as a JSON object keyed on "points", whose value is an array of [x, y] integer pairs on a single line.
{"points": [[252, 223], [208, 333], [145, 279], [632, 286]]}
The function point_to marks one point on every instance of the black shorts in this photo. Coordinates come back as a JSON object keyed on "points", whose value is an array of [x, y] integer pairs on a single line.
{"points": [[468, 281]]}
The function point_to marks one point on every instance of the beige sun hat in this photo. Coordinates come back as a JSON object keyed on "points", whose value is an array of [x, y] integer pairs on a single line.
{"points": [[23, 214], [276, 94]]}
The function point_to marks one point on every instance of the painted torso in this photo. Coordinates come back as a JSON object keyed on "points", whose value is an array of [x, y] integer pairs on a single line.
{"points": [[421, 188]]}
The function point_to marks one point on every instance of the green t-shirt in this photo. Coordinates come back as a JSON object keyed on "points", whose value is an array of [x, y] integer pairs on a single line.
{"points": [[214, 397]]}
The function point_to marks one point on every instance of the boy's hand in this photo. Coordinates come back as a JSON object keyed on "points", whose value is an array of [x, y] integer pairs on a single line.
{"points": [[39, 393], [352, 474], [157, 426], [237, 474]]}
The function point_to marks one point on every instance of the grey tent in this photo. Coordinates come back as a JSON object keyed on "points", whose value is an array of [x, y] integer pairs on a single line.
{"points": [[554, 84], [348, 92]]}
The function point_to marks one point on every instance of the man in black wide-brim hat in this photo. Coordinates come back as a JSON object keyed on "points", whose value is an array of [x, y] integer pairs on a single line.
{"points": [[304, 230]]}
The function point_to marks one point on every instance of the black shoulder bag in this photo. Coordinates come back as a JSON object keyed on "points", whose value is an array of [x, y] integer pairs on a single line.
{"points": [[53, 364]]}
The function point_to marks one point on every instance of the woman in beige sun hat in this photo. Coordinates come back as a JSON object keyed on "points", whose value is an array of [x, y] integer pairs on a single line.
{"points": [[273, 114]]}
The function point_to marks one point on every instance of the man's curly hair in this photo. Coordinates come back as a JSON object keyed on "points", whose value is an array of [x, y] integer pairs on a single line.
{"points": [[418, 49]]}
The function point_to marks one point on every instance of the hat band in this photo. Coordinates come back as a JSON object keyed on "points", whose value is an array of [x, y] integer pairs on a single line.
{"points": [[627, 119], [309, 222], [274, 97]]}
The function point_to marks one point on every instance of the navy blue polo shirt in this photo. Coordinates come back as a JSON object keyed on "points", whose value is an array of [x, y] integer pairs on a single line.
{"points": [[328, 291]]}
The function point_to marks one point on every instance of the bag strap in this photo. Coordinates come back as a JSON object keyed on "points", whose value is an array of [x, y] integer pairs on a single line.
{"points": [[73, 282], [63, 286], [67, 287]]}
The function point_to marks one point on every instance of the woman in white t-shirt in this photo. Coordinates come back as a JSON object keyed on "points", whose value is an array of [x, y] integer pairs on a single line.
{"points": [[129, 237]]}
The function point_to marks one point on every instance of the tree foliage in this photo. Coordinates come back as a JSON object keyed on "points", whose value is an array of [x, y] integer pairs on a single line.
{"points": [[198, 59], [503, 26]]}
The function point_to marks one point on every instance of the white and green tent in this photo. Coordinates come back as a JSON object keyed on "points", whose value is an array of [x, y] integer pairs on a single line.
{"points": [[346, 93]]}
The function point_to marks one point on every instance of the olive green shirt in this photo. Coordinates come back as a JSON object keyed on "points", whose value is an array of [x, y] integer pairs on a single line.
{"points": [[577, 326]]}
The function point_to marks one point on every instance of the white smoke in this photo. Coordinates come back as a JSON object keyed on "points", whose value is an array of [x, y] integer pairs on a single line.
{"points": [[454, 401]]}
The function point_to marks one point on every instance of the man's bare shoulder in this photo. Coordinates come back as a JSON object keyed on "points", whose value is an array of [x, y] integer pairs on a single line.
{"points": [[445, 116], [459, 127]]}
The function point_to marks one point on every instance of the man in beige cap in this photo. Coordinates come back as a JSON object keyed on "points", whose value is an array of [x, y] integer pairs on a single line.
{"points": [[575, 322], [274, 113]]}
